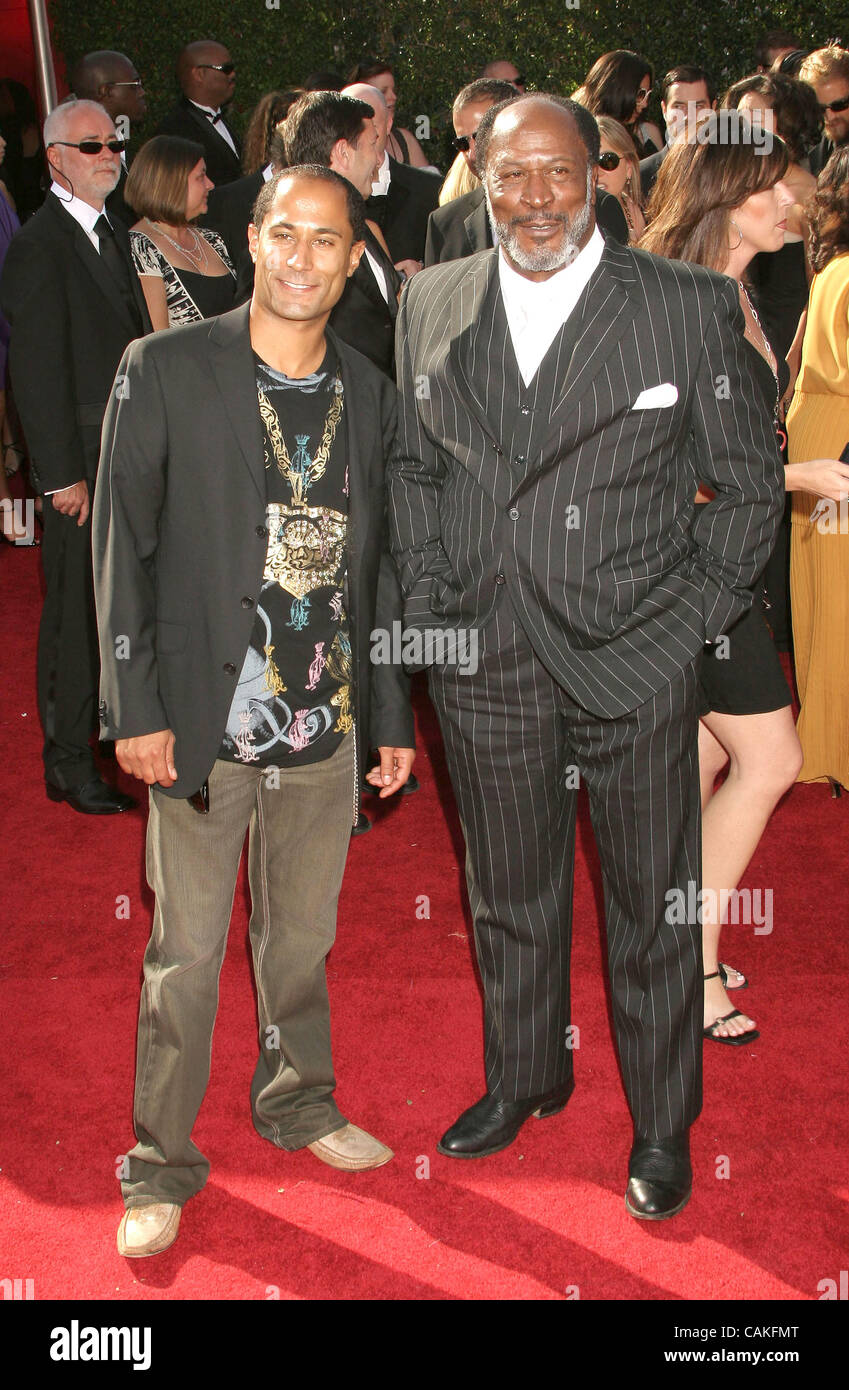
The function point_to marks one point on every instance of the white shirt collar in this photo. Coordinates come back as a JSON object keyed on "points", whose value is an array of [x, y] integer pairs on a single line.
{"points": [[537, 309], [210, 110], [267, 173], [380, 187], [81, 212]]}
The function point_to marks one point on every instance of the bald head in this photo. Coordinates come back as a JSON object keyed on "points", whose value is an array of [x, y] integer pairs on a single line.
{"points": [[199, 73], [539, 111], [110, 78], [375, 99]]}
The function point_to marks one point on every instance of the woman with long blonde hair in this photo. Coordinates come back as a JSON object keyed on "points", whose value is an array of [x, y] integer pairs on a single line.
{"points": [[619, 173]]}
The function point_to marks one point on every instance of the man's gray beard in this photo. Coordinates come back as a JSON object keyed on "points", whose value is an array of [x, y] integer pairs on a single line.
{"points": [[547, 257]]}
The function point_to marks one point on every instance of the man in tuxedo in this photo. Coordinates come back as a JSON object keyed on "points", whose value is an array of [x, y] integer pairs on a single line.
{"points": [[111, 79], [402, 197], [338, 132], [542, 498], [687, 94], [207, 75], [239, 551], [74, 302], [461, 227]]}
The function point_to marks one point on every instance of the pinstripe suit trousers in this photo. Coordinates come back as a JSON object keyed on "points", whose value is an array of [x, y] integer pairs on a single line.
{"points": [[512, 735]]}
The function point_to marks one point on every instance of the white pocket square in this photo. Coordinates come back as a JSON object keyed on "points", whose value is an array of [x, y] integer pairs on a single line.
{"points": [[655, 397]]}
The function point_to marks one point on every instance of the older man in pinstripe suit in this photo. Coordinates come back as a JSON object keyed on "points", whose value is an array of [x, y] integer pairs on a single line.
{"points": [[563, 396]]}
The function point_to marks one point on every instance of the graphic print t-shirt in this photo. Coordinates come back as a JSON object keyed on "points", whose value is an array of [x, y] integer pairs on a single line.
{"points": [[293, 701]]}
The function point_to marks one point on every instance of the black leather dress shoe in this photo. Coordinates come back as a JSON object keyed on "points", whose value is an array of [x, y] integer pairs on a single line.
{"points": [[363, 824], [93, 798], [492, 1123], [660, 1178]]}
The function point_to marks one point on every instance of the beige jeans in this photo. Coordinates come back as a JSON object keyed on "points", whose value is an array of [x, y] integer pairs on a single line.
{"points": [[299, 822]]}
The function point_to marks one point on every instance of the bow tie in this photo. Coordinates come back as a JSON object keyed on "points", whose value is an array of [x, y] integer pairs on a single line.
{"points": [[213, 118]]}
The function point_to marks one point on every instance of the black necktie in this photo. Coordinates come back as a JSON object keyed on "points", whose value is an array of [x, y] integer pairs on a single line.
{"points": [[116, 263]]}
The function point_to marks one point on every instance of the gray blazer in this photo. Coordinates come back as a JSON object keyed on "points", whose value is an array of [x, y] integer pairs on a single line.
{"points": [[179, 540], [615, 573]]}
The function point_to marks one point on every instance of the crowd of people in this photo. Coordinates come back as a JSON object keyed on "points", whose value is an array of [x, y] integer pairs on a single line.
{"points": [[554, 399]]}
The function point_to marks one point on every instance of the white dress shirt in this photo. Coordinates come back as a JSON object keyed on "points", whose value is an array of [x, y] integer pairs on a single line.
{"points": [[377, 271], [380, 187], [537, 309], [81, 212], [217, 125]]}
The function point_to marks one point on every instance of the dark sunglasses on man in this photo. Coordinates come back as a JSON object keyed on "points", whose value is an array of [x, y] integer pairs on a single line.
{"points": [[835, 106], [115, 146], [226, 68], [609, 160], [463, 142]]}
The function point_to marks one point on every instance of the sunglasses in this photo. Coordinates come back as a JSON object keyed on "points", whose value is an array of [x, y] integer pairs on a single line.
{"points": [[227, 68], [92, 146], [136, 83], [841, 105], [609, 160], [518, 81], [644, 92], [463, 142]]}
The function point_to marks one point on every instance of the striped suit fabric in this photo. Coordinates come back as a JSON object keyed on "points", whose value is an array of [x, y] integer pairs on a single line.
{"points": [[558, 522]]}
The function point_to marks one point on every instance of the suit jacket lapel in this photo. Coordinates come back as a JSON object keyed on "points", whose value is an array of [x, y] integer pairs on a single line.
{"points": [[365, 278], [232, 363], [358, 482], [99, 272], [204, 123], [606, 308], [477, 228]]}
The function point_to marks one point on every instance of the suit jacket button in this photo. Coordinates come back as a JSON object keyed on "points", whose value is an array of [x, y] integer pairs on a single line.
{"points": [[513, 513], [102, 710], [229, 668], [520, 458], [261, 532], [499, 579], [247, 602], [500, 452]]}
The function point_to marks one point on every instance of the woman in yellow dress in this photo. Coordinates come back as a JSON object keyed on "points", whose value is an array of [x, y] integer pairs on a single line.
{"points": [[818, 427]]}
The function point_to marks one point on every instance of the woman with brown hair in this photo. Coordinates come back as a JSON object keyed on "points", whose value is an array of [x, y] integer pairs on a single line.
{"points": [[266, 116], [619, 173], [818, 423], [718, 201], [185, 271], [619, 84]]}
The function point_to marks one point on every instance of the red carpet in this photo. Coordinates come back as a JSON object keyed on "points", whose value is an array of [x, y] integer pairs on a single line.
{"points": [[544, 1219]]}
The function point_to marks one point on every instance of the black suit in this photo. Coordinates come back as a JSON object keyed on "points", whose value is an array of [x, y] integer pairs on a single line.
{"points": [[116, 204], [461, 227], [71, 322], [186, 119], [557, 522], [403, 212], [649, 170], [180, 541], [229, 212]]}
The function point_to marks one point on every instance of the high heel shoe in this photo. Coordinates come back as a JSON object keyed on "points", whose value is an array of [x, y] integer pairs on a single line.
{"points": [[836, 788]]}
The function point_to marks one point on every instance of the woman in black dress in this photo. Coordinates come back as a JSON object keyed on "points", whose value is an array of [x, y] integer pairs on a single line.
{"points": [[718, 203], [185, 271]]}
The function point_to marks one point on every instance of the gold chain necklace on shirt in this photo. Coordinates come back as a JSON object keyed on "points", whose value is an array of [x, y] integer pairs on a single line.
{"points": [[301, 479]]}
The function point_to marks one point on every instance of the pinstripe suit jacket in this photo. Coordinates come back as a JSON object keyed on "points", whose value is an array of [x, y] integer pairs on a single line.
{"points": [[617, 576]]}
